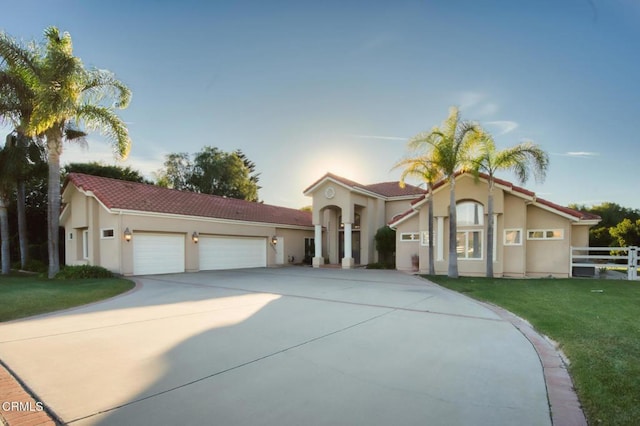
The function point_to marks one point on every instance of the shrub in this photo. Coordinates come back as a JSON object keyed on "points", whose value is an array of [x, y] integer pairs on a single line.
{"points": [[71, 272], [33, 265], [381, 265]]}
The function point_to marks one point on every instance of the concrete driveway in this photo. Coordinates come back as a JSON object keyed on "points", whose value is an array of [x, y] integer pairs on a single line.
{"points": [[286, 346]]}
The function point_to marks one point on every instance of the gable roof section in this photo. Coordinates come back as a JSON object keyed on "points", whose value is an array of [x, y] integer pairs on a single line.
{"points": [[383, 189], [117, 194], [508, 186]]}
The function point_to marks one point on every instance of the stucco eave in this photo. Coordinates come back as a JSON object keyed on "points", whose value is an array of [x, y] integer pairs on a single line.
{"points": [[209, 219]]}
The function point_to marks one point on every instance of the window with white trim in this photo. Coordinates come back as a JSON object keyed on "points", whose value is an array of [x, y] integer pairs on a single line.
{"points": [[107, 233], [410, 236], [424, 238], [85, 244], [545, 234], [469, 213], [513, 237], [469, 244]]}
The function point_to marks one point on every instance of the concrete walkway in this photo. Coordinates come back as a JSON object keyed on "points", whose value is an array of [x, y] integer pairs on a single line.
{"points": [[282, 346]]}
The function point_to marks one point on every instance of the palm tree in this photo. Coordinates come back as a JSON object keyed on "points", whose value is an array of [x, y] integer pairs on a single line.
{"points": [[452, 144], [520, 159], [67, 96], [423, 165], [8, 171], [16, 106]]}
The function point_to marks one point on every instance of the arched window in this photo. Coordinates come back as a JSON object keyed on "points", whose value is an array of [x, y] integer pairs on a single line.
{"points": [[470, 219], [470, 213]]}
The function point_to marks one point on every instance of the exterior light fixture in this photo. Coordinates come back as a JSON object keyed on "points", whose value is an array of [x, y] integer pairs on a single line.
{"points": [[127, 235], [194, 237], [274, 240]]}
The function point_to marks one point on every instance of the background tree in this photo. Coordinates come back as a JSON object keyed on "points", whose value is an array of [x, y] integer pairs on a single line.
{"points": [[176, 173], [423, 164], [212, 171], [626, 233], [66, 97], [521, 159], [612, 214], [385, 243], [109, 171]]}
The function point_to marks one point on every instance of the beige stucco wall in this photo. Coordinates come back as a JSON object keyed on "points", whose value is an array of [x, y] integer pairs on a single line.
{"points": [[406, 249], [547, 257], [531, 258], [514, 256], [116, 254]]}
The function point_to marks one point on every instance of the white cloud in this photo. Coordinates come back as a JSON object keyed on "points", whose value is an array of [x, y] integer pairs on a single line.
{"points": [[470, 99], [577, 154], [504, 126]]}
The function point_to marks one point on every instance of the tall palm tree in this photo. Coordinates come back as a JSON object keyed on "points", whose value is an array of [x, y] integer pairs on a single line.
{"points": [[16, 106], [67, 97], [8, 171], [423, 164], [521, 159], [452, 144]]}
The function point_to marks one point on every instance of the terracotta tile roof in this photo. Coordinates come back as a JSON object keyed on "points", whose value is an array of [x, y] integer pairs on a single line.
{"points": [[575, 213], [385, 189], [120, 194]]}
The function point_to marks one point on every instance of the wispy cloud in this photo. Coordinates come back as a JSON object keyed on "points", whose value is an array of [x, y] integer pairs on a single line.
{"points": [[384, 138], [476, 103], [379, 41], [503, 126], [577, 154]]}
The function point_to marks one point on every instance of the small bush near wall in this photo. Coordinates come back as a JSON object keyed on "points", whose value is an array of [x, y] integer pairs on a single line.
{"points": [[381, 265], [71, 272]]}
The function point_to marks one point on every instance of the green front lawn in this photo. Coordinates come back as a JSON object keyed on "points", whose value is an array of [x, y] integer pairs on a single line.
{"points": [[25, 295], [597, 324]]}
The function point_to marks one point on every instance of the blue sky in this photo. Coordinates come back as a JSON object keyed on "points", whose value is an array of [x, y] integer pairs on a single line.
{"points": [[306, 87]]}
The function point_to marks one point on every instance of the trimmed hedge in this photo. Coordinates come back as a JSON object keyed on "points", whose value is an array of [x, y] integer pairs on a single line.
{"points": [[72, 272]]}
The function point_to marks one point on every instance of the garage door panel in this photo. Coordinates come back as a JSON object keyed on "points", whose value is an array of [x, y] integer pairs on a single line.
{"points": [[158, 254], [232, 253]]}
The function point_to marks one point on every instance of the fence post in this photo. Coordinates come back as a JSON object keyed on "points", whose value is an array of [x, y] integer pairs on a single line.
{"points": [[632, 272]]}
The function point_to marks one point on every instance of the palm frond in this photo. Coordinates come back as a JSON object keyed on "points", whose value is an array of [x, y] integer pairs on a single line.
{"points": [[102, 84], [105, 121]]}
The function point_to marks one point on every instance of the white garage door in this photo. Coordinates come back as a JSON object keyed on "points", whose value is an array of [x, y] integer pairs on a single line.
{"points": [[232, 252], [157, 253]]}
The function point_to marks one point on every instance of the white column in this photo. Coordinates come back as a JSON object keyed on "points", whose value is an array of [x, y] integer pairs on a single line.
{"points": [[495, 237], [440, 238], [318, 259], [347, 261]]}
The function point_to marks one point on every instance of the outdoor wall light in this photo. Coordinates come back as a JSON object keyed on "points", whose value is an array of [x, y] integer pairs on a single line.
{"points": [[194, 237], [274, 240], [127, 235]]}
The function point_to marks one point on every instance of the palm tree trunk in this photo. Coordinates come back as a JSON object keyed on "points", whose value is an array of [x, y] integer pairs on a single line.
{"points": [[432, 267], [453, 229], [22, 224], [490, 230], [4, 235], [54, 147]]}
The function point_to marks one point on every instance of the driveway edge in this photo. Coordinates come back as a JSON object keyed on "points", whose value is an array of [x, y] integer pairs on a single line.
{"points": [[563, 401], [30, 412]]}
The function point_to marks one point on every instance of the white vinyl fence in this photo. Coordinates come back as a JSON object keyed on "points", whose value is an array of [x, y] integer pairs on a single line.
{"points": [[585, 260]]}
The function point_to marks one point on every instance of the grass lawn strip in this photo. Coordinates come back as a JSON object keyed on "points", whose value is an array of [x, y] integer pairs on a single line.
{"points": [[597, 324], [24, 296]]}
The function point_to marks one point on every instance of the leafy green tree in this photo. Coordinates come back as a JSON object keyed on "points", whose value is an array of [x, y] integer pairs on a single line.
{"points": [[626, 233], [66, 97], [98, 169], [520, 159], [212, 171], [611, 214], [176, 173], [423, 164], [385, 243]]}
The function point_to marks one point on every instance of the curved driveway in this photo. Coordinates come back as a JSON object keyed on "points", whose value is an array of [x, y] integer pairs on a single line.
{"points": [[285, 346]]}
